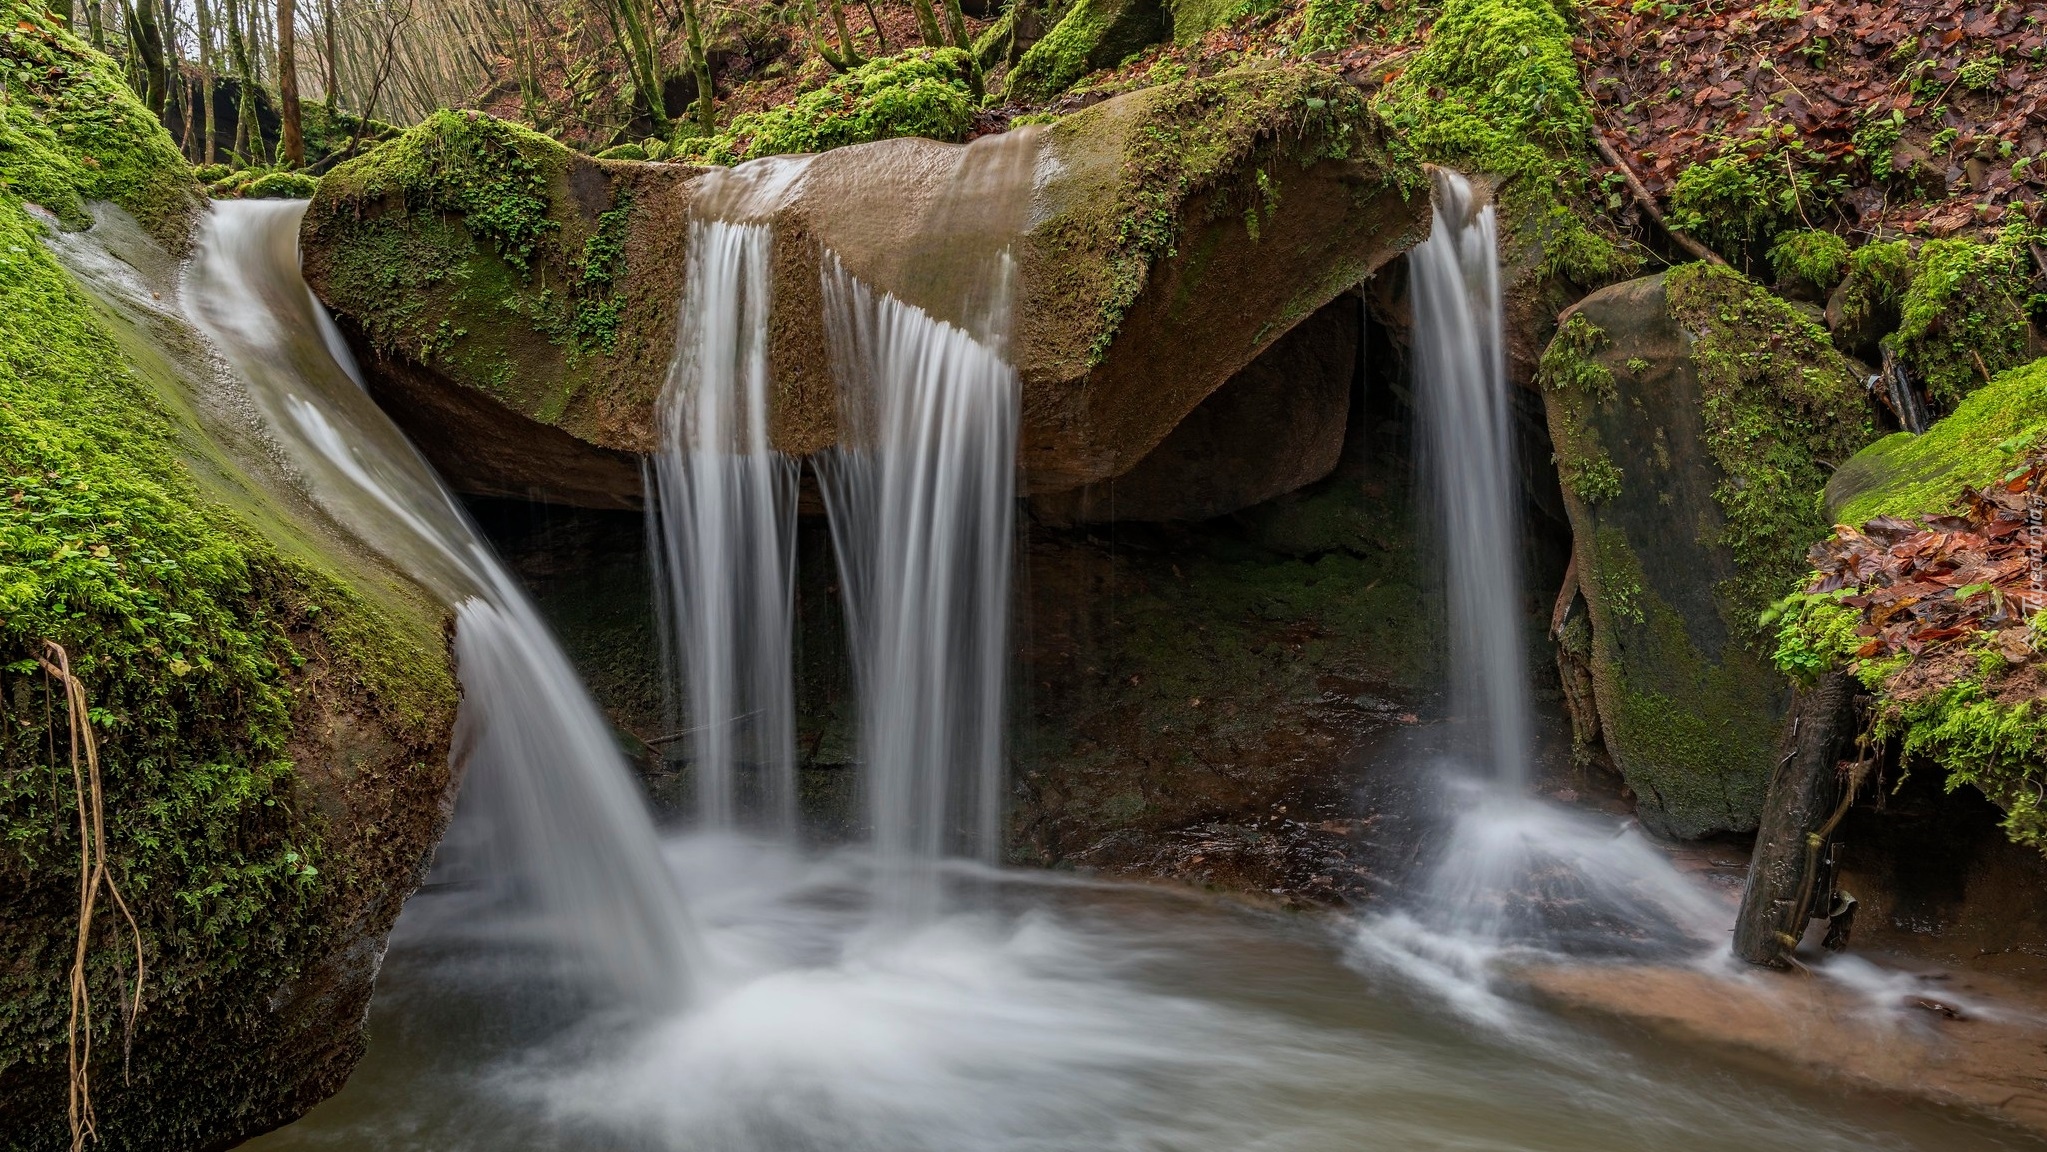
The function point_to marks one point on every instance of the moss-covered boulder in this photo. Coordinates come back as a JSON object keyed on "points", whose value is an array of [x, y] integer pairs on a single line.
{"points": [[1963, 318], [513, 302], [1971, 706], [271, 710], [518, 302], [1695, 417], [1092, 35]]}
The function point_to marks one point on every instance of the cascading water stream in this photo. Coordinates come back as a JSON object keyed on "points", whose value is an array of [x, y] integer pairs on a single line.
{"points": [[724, 531], [1512, 872], [1461, 391], [567, 838], [920, 495]]}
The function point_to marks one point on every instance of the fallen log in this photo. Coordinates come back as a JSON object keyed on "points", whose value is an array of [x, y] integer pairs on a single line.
{"points": [[1790, 876]]}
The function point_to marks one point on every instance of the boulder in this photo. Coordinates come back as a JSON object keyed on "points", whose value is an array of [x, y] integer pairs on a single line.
{"points": [[1092, 35], [1273, 428], [501, 287], [1694, 417]]}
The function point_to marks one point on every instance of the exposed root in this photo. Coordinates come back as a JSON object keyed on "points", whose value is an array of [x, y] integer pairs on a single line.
{"points": [[92, 875]]}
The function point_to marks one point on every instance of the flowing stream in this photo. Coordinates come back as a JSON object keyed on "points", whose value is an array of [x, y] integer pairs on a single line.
{"points": [[1048, 1013], [567, 850]]}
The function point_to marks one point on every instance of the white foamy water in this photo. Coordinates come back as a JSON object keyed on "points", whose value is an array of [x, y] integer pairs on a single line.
{"points": [[1513, 877], [563, 840], [1058, 1016], [1468, 449]]}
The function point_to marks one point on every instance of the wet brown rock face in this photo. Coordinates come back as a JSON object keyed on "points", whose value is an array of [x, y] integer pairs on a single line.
{"points": [[1273, 428], [1145, 275]]}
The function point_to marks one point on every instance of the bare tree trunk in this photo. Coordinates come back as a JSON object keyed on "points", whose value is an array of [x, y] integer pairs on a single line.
{"points": [[879, 36], [145, 32], [700, 65], [927, 24], [202, 15], [332, 77], [956, 24], [1790, 877], [634, 30], [95, 20], [248, 129], [61, 9], [847, 52], [293, 142]]}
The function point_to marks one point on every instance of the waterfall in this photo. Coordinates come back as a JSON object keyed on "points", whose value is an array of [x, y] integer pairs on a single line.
{"points": [[570, 846], [723, 530], [1467, 435], [921, 495], [1512, 872]]}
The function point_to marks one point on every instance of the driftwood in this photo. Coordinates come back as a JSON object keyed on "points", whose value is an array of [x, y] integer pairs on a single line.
{"points": [[1790, 877], [1647, 202]]}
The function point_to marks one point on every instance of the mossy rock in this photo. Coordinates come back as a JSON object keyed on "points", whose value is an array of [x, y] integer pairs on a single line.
{"points": [[1970, 711], [272, 707], [1092, 35], [1176, 232], [1694, 418], [513, 301], [1963, 318], [71, 131], [1910, 476]]}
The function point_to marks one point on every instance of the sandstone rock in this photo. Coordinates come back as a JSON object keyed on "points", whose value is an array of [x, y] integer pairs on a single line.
{"points": [[1167, 237], [1275, 427], [1690, 413]]}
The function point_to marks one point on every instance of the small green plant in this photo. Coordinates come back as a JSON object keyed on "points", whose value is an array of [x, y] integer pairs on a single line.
{"points": [[1751, 190], [1327, 25], [1979, 74], [1876, 138], [1817, 258]]}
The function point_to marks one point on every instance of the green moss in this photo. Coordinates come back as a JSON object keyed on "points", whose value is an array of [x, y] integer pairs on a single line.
{"points": [[1781, 408], [1812, 257], [494, 174], [1906, 476], [1683, 727], [1192, 19], [623, 152], [1495, 91], [1092, 34], [1576, 383], [1227, 142], [1964, 316], [1328, 26], [188, 626], [927, 92], [1752, 190], [460, 244], [1815, 634], [1874, 283], [281, 186], [72, 131]]}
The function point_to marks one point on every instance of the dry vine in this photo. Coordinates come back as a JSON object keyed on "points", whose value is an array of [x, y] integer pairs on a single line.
{"points": [[92, 874]]}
